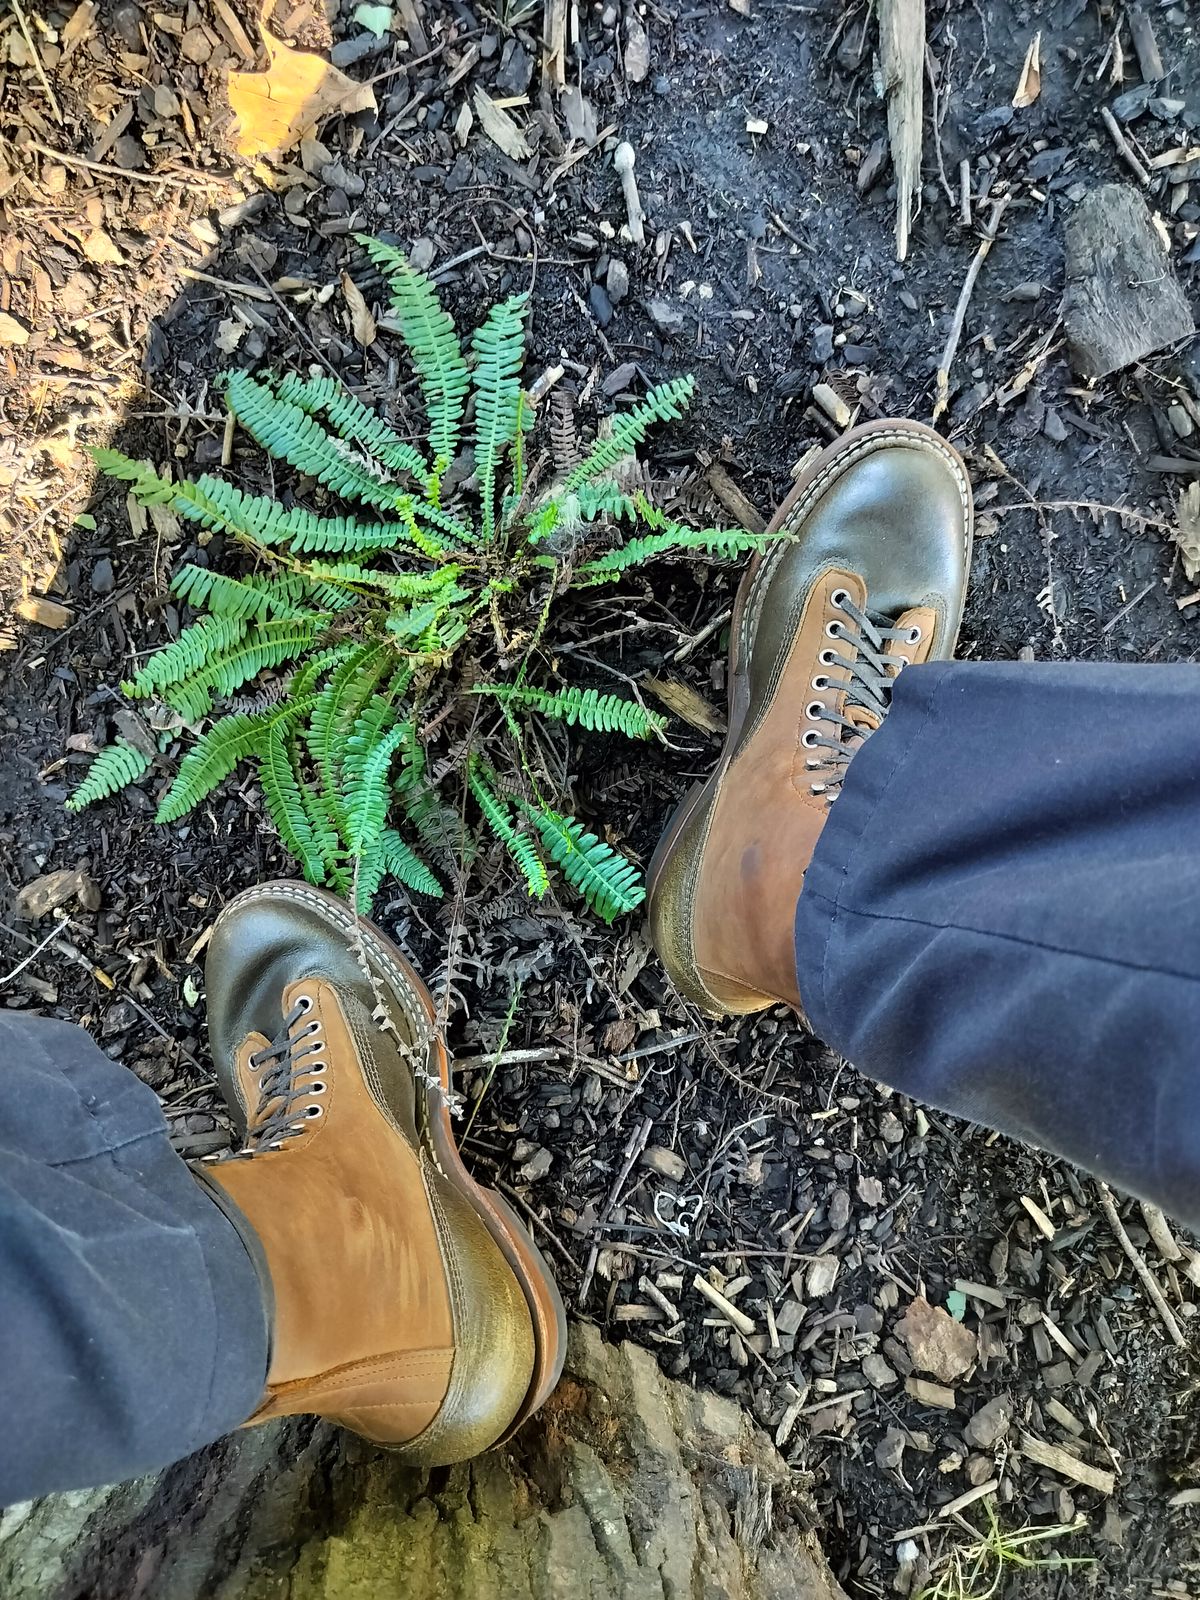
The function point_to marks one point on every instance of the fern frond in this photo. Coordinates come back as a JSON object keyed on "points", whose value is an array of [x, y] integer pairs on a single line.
{"points": [[670, 538], [217, 752], [316, 667], [291, 435], [197, 646], [351, 420], [428, 331], [334, 710], [281, 791], [116, 767], [609, 883], [254, 598], [213, 503], [270, 644], [666, 402], [598, 713], [604, 499], [406, 866], [520, 846], [499, 346], [367, 803], [438, 826]]}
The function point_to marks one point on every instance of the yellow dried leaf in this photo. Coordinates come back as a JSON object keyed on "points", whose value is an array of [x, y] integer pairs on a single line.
{"points": [[278, 108], [1030, 84], [99, 247]]}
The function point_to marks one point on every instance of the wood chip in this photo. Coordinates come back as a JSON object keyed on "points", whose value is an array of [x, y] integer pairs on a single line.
{"points": [[686, 703], [1066, 1465], [1029, 87], [728, 1310], [11, 331], [46, 613], [926, 1393], [1041, 1220], [500, 127]]}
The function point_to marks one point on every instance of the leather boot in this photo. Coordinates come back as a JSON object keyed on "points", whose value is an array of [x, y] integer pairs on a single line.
{"points": [[410, 1304], [869, 575]]}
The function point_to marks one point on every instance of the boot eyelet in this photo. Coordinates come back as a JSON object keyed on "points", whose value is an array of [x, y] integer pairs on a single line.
{"points": [[319, 1087], [839, 597], [827, 658], [314, 1111], [809, 738], [305, 1002], [833, 630], [820, 683], [814, 709], [914, 635]]}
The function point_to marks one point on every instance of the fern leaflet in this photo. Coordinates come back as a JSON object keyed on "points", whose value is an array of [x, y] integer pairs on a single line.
{"points": [[281, 791], [499, 346], [269, 645], [519, 845], [609, 883], [353, 421], [190, 653], [217, 752], [670, 538], [666, 402], [598, 713], [116, 767]]}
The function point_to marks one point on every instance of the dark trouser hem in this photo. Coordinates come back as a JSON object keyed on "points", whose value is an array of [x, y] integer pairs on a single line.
{"points": [[134, 1328], [1002, 916]]}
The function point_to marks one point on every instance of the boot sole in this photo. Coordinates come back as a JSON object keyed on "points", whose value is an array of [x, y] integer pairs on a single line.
{"points": [[509, 1234], [702, 795]]}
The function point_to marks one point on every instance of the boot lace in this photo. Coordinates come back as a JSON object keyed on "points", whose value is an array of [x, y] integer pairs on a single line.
{"points": [[872, 670], [281, 1066]]}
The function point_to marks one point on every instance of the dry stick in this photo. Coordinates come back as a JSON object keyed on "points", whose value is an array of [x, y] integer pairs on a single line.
{"points": [[960, 311], [193, 180], [1139, 1266], [37, 61], [1124, 146]]}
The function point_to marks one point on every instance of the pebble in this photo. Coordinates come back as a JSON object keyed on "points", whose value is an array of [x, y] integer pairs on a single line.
{"points": [[839, 1209], [989, 1424], [665, 317], [601, 305], [821, 1276], [821, 347], [1054, 427], [869, 1191], [1181, 421], [878, 1372], [126, 19], [103, 580], [616, 280], [667, 1163], [889, 1452], [537, 1166]]}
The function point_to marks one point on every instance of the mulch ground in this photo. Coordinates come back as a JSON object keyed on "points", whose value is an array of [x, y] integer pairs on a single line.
{"points": [[646, 1144]]}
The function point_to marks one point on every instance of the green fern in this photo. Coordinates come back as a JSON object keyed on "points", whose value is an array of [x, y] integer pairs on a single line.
{"points": [[598, 713], [281, 791], [428, 331], [665, 403], [669, 539], [499, 346], [190, 653], [217, 752], [270, 644], [610, 884], [246, 599], [407, 867], [116, 767], [351, 420], [519, 845]]}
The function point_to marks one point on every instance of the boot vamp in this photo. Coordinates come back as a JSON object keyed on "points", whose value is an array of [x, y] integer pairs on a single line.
{"points": [[280, 935], [896, 514]]}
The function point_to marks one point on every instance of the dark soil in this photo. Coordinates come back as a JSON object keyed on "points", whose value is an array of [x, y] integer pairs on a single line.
{"points": [[765, 272]]}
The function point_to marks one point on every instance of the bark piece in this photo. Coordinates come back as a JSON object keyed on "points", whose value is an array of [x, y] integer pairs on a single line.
{"points": [[937, 1344], [301, 1509], [902, 57], [1123, 301]]}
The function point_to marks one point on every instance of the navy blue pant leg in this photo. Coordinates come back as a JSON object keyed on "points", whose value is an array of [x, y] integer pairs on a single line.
{"points": [[1002, 916], [133, 1326]]}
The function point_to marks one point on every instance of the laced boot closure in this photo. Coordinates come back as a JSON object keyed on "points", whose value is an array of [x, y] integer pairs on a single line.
{"points": [[874, 651], [287, 1077]]}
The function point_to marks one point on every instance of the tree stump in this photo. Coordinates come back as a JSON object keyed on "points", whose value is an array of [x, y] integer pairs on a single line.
{"points": [[627, 1486]]}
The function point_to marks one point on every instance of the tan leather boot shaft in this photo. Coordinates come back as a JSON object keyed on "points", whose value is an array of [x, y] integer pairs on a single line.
{"points": [[408, 1304], [878, 528]]}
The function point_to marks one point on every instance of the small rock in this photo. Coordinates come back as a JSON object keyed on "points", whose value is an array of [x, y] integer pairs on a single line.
{"points": [[128, 154], [348, 51], [839, 1209], [103, 579], [868, 1319], [601, 305], [989, 1424], [869, 1191], [616, 280], [878, 1372], [1164, 109], [908, 300], [889, 1452], [1181, 421], [516, 69], [667, 1163], [637, 48], [537, 1166], [127, 21], [821, 347], [666, 318], [979, 1469], [118, 1018], [1130, 105], [422, 254], [891, 1129], [335, 176], [1053, 426], [937, 1344]]}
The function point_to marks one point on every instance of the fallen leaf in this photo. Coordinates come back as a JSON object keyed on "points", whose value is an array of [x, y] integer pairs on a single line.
{"points": [[1030, 83], [361, 320], [99, 247], [500, 128], [76, 28], [11, 331], [1187, 533], [230, 334], [277, 108]]}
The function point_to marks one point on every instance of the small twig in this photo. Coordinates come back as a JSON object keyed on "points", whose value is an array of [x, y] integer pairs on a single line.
{"points": [[296, 323], [942, 399], [1124, 146], [32, 956], [37, 62], [191, 180], [1160, 1232], [964, 192], [1149, 1282], [1098, 506], [632, 1151], [706, 632]]}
